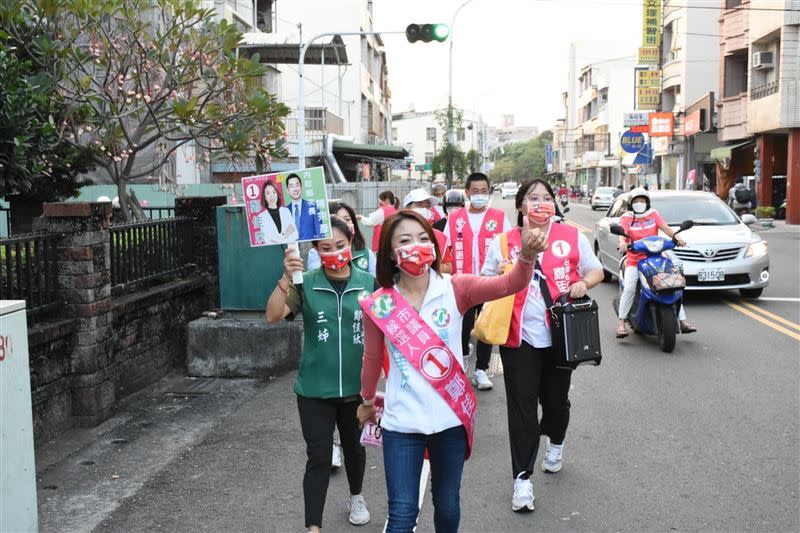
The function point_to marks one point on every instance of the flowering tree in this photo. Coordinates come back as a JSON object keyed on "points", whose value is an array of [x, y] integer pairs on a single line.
{"points": [[145, 77]]}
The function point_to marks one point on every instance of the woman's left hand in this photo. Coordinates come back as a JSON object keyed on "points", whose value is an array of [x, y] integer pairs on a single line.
{"points": [[578, 290]]}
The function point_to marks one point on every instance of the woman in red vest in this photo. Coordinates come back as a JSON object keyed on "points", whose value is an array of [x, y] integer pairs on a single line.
{"points": [[568, 266], [388, 205]]}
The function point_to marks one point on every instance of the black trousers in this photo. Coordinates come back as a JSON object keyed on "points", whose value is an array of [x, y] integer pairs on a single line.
{"points": [[532, 378], [317, 420], [484, 351]]}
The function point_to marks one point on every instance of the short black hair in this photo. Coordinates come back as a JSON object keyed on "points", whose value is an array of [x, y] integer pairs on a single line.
{"points": [[290, 176], [476, 176], [341, 225], [358, 237], [523, 192]]}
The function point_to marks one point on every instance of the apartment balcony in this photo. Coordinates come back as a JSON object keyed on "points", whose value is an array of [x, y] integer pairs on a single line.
{"points": [[732, 117], [765, 110], [319, 122], [733, 30]]}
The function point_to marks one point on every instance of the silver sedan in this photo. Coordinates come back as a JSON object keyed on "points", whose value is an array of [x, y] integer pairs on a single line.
{"points": [[721, 251]]}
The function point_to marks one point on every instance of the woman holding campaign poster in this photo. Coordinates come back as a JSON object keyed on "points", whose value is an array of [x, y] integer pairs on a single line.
{"points": [[429, 404], [328, 379], [275, 223]]}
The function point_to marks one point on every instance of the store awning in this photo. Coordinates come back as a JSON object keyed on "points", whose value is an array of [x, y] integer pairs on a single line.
{"points": [[378, 151], [272, 49], [724, 152]]}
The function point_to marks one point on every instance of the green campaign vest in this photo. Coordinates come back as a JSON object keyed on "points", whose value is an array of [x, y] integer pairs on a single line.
{"points": [[333, 341], [361, 259]]}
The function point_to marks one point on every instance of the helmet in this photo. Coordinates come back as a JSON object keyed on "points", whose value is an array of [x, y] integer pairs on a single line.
{"points": [[453, 198], [637, 192], [438, 188]]}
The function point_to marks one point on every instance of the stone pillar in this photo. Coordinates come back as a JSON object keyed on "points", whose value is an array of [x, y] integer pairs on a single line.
{"points": [[84, 281], [793, 178], [766, 152], [203, 211]]}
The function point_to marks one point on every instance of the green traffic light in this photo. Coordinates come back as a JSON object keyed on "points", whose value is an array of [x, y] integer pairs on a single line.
{"points": [[440, 32]]}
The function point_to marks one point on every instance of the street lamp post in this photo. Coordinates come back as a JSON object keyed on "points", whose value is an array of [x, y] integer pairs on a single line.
{"points": [[450, 136]]}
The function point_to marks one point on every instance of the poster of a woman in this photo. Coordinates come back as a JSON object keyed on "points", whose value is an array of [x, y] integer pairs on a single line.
{"points": [[275, 223]]}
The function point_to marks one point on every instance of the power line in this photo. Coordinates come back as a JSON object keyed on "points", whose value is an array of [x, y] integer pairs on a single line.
{"points": [[737, 8]]}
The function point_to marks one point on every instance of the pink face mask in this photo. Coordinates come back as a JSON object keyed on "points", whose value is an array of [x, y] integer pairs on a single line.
{"points": [[540, 213], [416, 258], [337, 260]]}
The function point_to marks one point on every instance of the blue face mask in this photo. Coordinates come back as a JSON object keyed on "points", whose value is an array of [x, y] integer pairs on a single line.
{"points": [[479, 200]]}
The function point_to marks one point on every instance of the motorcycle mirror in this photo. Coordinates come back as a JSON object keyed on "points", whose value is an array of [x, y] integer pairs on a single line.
{"points": [[565, 210], [616, 229], [686, 224]]}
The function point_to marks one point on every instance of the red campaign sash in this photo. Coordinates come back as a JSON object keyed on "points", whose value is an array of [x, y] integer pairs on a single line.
{"points": [[426, 352]]}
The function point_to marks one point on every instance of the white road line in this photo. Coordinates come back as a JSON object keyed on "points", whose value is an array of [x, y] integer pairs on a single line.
{"points": [[423, 485], [777, 299]]}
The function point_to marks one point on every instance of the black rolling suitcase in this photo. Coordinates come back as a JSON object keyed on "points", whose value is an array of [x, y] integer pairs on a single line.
{"points": [[575, 329]]}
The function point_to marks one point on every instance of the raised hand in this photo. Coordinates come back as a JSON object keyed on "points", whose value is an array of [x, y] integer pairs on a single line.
{"points": [[534, 241], [292, 262]]}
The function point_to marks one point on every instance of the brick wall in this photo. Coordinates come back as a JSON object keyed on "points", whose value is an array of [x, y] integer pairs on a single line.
{"points": [[101, 347]]}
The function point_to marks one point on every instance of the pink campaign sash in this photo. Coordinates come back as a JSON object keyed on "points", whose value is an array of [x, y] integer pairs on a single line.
{"points": [[426, 352]]}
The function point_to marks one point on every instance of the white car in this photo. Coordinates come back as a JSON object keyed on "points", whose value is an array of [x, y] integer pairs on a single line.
{"points": [[720, 253], [602, 197], [509, 189]]}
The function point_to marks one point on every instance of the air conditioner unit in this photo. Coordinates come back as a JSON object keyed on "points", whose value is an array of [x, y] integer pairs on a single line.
{"points": [[762, 60]]}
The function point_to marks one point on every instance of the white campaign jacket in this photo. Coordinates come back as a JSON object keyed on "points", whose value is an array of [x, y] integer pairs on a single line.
{"points": [[411, 404]]}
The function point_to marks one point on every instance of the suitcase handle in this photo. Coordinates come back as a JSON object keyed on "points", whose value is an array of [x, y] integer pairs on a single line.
{"points": [[587, 302]]}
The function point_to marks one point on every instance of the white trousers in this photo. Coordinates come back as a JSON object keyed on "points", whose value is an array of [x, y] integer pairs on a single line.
{"points": [[629, 292]]}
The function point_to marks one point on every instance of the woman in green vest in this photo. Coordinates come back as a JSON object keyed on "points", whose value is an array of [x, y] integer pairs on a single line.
{"points": [[329, 378]]}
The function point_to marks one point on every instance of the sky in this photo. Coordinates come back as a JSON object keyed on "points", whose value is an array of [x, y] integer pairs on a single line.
{"points": [[509, 56]]}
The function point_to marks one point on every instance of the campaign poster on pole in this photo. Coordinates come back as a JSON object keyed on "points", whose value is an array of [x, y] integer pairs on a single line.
{"points": [[287, 207]]}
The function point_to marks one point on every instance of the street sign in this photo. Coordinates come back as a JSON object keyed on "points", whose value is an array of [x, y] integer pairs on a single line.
{"points": [[632, 142], [426, 166]]}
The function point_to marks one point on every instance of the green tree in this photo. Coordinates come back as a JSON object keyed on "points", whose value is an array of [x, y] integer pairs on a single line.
{"points": [[522, 160], [145, 77], [473, 160], [447, 155], [36, 160]]}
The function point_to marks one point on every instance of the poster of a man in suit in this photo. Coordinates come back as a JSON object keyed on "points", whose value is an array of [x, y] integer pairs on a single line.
{"points": [[286, 207]]}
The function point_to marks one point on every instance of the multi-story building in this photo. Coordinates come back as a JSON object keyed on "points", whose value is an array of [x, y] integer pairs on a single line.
{"points": [[422, 136], [689, 72], [599, 92], [759, 104]]}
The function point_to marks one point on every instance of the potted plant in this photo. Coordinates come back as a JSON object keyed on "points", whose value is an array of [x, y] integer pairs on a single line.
{"points": [[766, 214]]}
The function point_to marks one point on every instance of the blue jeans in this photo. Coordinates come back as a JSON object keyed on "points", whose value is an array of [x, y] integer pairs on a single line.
{"points": [[403, 454]]}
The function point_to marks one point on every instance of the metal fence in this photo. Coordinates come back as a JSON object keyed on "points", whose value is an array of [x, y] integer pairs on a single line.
{"points": [[29, 270], [157, 213], [363, 195], [143, 251]]}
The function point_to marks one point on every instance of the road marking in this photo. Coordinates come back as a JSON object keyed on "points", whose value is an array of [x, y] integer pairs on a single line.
{"points": [[773, 316], [582, 228], [778, 299], [423, 485], [781, 329]]}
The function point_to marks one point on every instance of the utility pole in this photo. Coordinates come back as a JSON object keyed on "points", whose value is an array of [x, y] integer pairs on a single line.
{"points": [[450, 136]]}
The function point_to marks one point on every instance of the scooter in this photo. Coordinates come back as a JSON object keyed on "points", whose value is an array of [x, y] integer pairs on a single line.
{"points": [[660, 293]]}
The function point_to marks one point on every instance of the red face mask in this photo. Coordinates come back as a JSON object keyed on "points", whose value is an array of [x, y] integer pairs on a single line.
{"points": [[337, 260], [416, 258], [541, 212]]}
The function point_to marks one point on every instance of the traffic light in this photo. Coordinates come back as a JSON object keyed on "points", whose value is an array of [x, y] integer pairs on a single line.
{"points": [[427, 32]]}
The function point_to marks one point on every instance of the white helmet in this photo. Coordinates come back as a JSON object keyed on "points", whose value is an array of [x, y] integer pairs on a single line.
{"points": [[637, 192]]}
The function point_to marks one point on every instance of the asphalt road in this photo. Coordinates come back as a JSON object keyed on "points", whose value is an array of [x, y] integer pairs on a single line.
{"points": [[702, 439]]}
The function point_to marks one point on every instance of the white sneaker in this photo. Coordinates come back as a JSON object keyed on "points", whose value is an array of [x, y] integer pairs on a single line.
{"points": [[553, 459], [523, 495], [481, 380], [336, 460], [358, 510]]}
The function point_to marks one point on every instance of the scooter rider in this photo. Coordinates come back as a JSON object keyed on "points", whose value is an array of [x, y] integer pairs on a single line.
{"points": [[642, 221]]}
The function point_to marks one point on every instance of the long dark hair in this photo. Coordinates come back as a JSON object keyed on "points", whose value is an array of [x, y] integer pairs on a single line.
{"points": [[387, 268], [388, 196], [358, 238], [526, 186], [264, 194]]}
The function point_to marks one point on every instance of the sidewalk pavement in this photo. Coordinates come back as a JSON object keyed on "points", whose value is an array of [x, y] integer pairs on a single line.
{"points": [[192, 454]]}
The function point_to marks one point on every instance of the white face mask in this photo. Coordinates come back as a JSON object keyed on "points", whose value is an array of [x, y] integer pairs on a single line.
{"points": [[424, 212], [479, 201], [639, 207]]}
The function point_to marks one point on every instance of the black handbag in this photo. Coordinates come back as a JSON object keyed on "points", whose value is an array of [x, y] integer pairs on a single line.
{"points": [[575, 329]]}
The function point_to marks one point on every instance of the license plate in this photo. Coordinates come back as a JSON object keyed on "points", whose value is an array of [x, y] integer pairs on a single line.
{"points": [[711, 275]]}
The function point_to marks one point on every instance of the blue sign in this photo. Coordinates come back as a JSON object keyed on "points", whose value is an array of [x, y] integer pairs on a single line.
{"points": [[632, 142], [548, 154]]}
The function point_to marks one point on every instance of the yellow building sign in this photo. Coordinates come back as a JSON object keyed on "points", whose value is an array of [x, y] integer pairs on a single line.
{"points": [[648, 97], [648, 55], [648, 78], [651, 23]]}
